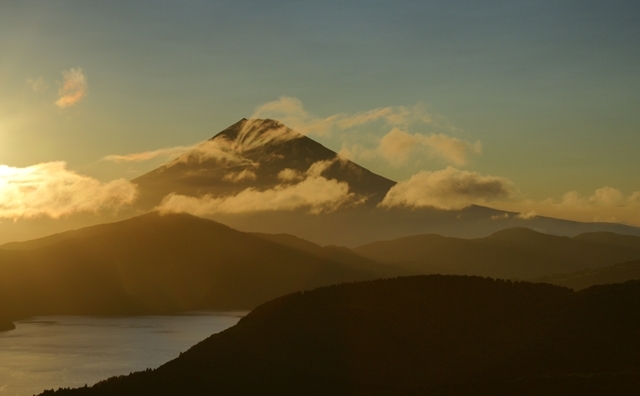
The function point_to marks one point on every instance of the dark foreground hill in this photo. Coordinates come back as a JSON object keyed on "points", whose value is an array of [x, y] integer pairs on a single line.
{"points": [[159, 264], [414, 336], [510, 253]]}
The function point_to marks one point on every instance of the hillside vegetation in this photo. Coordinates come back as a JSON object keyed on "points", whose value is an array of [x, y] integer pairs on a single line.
{"points": [[410, 336]]}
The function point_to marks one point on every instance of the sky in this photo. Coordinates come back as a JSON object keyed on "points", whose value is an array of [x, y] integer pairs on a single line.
{"points": [[543, 95]]}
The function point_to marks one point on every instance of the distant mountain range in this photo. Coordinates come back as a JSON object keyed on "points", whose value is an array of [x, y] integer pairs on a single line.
{"points": [[511, 253], [265, 155], [413, 336], [175, 262]]}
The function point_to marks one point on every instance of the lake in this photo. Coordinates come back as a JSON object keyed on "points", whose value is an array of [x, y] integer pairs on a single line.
{"points": [[71, 351]]}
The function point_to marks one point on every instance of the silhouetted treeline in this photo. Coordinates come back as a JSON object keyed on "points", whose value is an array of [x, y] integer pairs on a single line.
{"points": [[413, 336]]}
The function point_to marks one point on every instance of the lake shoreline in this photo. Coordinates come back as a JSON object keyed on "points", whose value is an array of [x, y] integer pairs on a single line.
{"points": [[45, 352]]}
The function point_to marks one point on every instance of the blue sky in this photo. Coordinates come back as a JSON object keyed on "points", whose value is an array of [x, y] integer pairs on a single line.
{"points": [[551, 89]]}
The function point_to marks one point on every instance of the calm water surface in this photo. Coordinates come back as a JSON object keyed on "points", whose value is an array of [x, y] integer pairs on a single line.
{"points": [[71, 351]]}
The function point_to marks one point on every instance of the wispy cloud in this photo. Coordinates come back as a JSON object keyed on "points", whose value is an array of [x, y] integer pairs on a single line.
{"points": [[37, 85], [170, 152], [314, 192], [448, 189], [49, 189], [292, 113], [397, 146], [221, 150], [72, 89], [245, 174], [257, 133]]}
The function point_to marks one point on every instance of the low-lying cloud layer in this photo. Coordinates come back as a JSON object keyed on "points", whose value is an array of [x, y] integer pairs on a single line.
{"points": [[314, 192], [73, 88], [49, 189], [606, 204], [448, 189]]}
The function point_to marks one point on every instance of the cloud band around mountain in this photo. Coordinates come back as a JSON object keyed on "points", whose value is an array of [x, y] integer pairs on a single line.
{"points": [[314, 192]]}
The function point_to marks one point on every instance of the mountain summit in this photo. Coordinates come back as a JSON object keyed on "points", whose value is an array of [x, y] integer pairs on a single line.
{"points": [[260, 154]]}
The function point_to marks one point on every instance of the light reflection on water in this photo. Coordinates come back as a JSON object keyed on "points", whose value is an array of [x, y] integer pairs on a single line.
{"points": [[71, 351]]}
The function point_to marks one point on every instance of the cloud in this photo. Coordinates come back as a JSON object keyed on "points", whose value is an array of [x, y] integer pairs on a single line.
{"points": [[289, 175], [37, 85], [448, 189], [169, 152], [245, 174], [257, 133], [397, 146], [221, 150], [503, 216], [49, 189], [291, 112], [527, 215], [314, 192], [72, 89]]}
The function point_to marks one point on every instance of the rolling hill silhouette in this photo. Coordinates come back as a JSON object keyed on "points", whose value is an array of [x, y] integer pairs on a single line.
{"points": [[413, 336], [257, 154], [510, 253], [163, 263]]}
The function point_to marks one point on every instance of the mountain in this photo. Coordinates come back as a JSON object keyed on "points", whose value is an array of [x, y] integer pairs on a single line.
{"points": [[413, 336], [510, 253], [617, 273], [256, 174], [162, 263], [252, 153]]}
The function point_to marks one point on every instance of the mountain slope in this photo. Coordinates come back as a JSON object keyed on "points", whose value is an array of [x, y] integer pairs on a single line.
{"points": [[156, 264], [510, 253], [411, 336]]}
